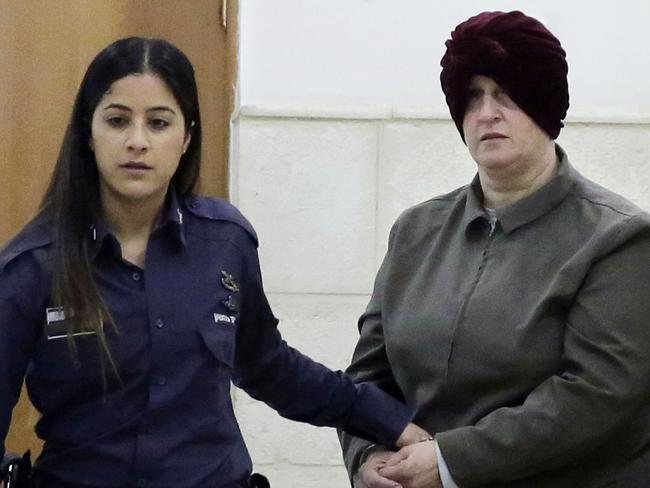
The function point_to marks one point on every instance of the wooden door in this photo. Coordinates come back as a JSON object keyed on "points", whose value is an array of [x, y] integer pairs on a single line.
{"points": [[45, 47]]}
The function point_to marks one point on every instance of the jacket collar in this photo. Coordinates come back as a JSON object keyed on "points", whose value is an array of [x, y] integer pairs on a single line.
{"points": [[528, 208]]}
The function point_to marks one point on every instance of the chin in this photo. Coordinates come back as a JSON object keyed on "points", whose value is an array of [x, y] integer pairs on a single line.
{"points": [[144, 196], [495, 160], [494, 163], [138, 194]]}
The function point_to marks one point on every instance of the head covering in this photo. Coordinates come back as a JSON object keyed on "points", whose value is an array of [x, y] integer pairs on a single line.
{"points": [[518, 53]]}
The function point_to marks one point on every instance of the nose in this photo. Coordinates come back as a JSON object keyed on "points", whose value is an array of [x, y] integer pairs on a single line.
{"points": [[489, 109], [138, 138]]}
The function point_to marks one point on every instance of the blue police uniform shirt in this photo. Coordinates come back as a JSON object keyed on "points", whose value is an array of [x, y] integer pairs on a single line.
{"points": [[195, 319]]}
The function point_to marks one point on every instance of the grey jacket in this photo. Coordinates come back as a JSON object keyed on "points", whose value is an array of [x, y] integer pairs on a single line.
{"points": [[526, 349]]}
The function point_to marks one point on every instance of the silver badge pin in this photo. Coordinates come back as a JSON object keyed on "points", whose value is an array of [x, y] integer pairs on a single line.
{"points": [[228, 282], [230, 303]]}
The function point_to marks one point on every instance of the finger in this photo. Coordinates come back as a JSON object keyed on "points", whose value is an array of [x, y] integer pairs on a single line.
{"points": [[378, 459], [397, 457], [396, 472], [384, 483], [376, 463], [373, 479]]}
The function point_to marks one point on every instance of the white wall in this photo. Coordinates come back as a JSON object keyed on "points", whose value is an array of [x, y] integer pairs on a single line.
{"points": [[342, 126], [387, 53]]}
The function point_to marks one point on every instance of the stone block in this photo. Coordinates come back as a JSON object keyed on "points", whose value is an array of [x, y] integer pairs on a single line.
{"points": [[419, 159], [309, 188]]}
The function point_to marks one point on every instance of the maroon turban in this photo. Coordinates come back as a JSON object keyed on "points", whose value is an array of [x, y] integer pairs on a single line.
{"points": [[517, 52]]}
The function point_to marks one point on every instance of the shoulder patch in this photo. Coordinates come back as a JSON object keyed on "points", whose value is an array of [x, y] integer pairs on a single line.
{"points": [[37, 233], [218, 209]]}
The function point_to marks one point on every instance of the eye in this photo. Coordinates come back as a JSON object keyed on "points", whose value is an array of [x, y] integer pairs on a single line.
{"points": [[158, 123], [117, 121], [505, 100], [472, 98], [472, 93]]}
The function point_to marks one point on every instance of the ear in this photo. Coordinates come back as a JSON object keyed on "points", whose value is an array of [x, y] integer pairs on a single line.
{"points": [[186, 143]]}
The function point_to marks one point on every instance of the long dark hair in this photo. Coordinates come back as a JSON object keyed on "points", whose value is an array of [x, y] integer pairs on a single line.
{"points": [[72, 199]]}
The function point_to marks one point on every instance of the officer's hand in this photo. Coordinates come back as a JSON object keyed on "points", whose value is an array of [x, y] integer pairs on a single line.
{"points": [[412, 434], [368, 475]]}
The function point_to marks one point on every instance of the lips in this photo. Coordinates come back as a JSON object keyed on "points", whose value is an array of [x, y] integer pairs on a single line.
{"points": [[492, 135], [136, 165]]}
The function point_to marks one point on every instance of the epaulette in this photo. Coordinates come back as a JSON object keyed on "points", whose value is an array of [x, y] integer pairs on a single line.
{"points": [[217, 209], [34, 235]]}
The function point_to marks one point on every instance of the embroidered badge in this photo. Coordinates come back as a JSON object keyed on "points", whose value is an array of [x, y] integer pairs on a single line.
{"points": [[55, 326], [222, 319]]}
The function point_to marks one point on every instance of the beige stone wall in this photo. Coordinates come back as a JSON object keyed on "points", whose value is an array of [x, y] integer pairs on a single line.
{"points": [[322, 189]]}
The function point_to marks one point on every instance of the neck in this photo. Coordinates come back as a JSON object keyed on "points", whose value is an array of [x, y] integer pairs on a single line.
{"points": [[131, 222], [503, 187]]}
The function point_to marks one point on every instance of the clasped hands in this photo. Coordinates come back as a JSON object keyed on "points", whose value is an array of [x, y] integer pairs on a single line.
{"points": [[415, 465]]}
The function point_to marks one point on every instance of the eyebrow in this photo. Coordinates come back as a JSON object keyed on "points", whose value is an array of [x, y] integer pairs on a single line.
{"points": [[151, 109]]}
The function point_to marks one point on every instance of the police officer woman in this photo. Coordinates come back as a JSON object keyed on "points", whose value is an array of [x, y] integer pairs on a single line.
{"points": [[129, 304]]}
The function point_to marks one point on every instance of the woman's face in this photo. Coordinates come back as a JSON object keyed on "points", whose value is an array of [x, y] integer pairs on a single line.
{"points": [[499, 135], [138, 137]]}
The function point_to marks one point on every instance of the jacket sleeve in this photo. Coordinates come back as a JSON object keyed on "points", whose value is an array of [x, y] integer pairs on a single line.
{"points": [[19, 328], [604, 380], [296, 386], [370, 364]]}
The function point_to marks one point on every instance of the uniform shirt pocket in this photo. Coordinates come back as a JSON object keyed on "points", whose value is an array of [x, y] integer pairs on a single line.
{"points": [[219, 337], [58, 359]]}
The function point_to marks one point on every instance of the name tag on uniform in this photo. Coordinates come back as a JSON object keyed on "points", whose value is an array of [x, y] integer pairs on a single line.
{"points": [[55, 326], [222, 319]]}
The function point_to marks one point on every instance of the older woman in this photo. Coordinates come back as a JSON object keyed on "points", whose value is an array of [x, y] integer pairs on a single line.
{"points": [[512, 313]]}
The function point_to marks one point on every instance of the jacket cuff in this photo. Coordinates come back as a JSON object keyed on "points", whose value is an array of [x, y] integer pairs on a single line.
{"points": [[377, 416]]}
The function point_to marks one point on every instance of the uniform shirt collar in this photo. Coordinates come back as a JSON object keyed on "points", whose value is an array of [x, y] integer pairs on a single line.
{"points": [[170, 224], [172, 219], [527, 209]]}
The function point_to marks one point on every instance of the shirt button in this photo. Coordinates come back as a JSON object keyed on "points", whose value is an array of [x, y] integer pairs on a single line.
{"points": [[162, 380], [159, 323], [136, 276]]}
